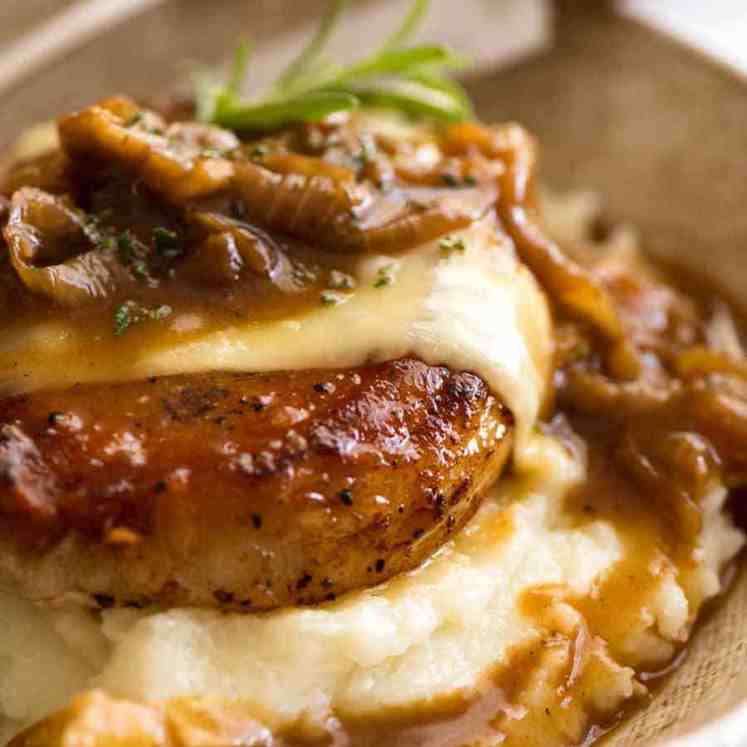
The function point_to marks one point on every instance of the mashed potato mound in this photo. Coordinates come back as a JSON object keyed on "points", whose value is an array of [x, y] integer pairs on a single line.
{"points": [[429, 635]]}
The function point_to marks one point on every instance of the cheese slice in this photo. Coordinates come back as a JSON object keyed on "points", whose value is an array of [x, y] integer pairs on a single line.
{"points": [[477, 309]]}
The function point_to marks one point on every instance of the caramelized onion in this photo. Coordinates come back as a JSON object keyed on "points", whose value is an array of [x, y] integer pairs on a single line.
{"points": [[227, 247], [50, 249], [172, 160], [720, 415], [700, 360], [323, 212], [575, 289], [591, 393], [48, 172], [710, 407], [293, 163], [301, 196]]}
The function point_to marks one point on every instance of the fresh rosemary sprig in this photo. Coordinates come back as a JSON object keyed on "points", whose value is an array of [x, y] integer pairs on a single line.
{"points": [[411, 79]]}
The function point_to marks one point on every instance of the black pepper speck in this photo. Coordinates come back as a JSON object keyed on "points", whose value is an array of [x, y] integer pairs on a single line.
{"points": [[104, 601], [304, 581], [346, 497]]}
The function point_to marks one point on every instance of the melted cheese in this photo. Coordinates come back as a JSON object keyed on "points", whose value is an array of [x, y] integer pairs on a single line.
{"points": [[476, 310]]}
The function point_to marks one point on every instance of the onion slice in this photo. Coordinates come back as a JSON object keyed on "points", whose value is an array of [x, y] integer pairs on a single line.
{"points": [[52, 251]]}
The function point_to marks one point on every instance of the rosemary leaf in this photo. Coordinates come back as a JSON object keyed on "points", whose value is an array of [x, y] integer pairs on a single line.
{"points": [[309, 108], [410, 79], [409, 25], [310, 54]]}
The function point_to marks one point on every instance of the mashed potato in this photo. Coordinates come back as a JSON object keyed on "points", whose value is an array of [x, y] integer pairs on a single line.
{"points": [[433, 634]]}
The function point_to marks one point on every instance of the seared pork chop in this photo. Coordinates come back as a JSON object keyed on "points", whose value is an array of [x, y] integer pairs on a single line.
{"points": [[247, 491]]}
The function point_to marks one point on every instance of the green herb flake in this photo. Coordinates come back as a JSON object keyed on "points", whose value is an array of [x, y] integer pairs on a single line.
{"points": [[582, 349], [131, 312], [384, 276], [139, 270], [214, 153], [260, 150], [368, 151], [122, 319], [330, 298], [126, 253], [341, 280], [125, 248], [159, 313], [167, 243], [451, 244], [453, 182], [136, 118]]}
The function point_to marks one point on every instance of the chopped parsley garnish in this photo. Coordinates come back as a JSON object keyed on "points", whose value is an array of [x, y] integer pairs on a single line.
{"points": [[260, 150], [125, 247], [122, 319], [384, 276], [368, 152], [131, 312], [55, 417], [160, 312], [214, 153], [139, 270], [167, 243], [453, 182], [330, 298], [582, 349], [341, 280], [450, 244], [412, 79], [136, 118]]}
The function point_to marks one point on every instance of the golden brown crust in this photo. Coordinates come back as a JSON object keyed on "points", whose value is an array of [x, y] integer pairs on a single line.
{"points": [[246, 491]]}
